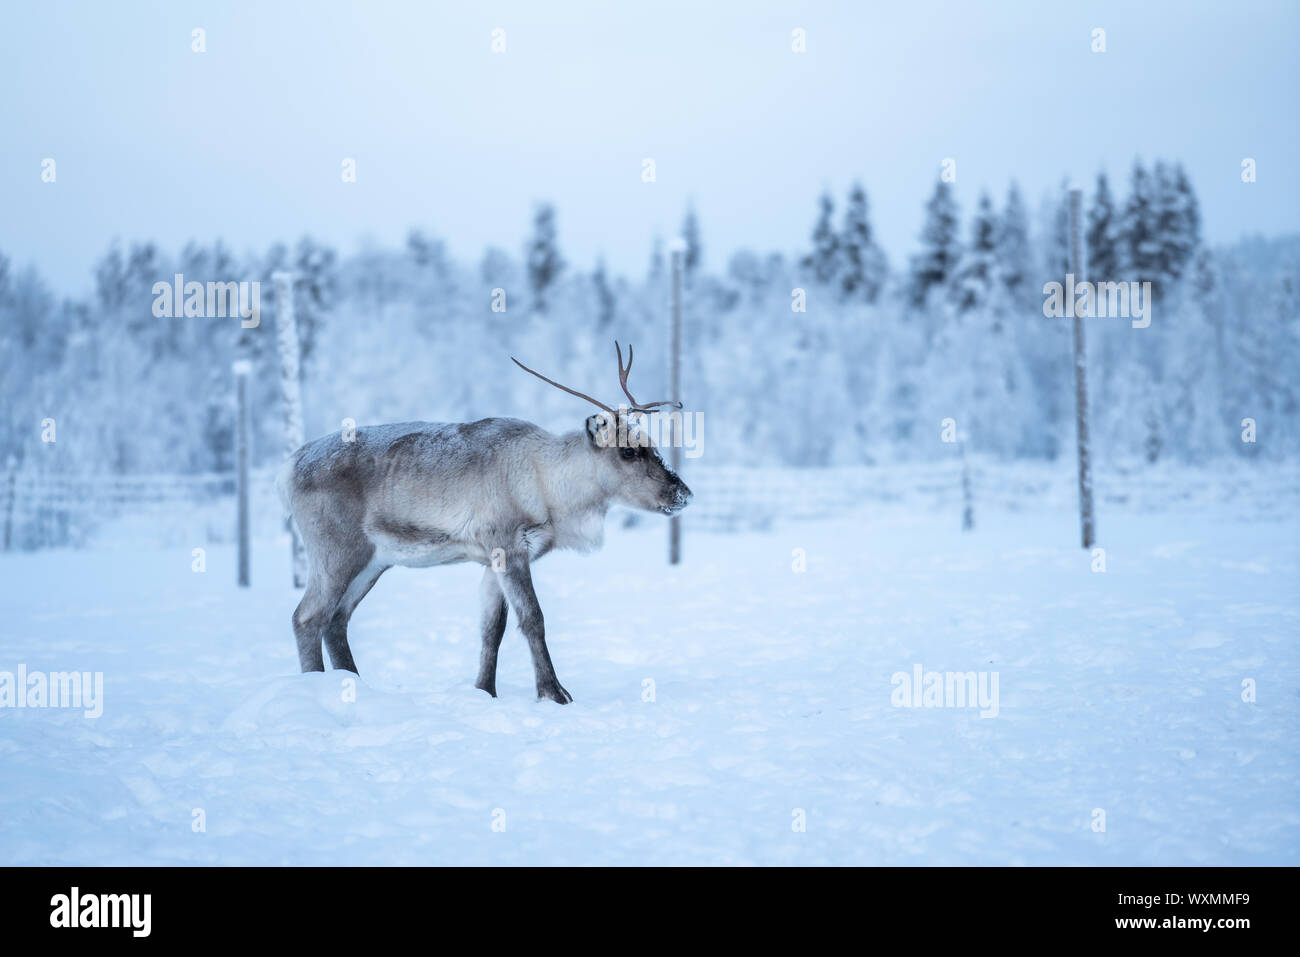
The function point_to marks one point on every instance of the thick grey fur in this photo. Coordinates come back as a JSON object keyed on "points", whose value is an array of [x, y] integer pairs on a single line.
{"points": [[500, 492]]}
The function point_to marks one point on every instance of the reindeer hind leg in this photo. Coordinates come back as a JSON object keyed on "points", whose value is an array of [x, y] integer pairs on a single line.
{"points": [[309, 620], [336, 633]]}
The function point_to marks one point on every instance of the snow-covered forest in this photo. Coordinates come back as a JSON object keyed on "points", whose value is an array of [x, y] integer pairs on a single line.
{"points": [[834, 352]]}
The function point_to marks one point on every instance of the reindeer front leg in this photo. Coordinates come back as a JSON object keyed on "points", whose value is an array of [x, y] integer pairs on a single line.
{"points": [[517, 582], [494, 626]]}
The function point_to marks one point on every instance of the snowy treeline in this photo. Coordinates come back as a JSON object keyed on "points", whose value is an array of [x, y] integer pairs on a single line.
{"points": [[838, 354]]}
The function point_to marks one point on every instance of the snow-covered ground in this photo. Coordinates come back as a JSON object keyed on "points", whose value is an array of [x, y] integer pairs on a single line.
{"points": [[772, 702]]}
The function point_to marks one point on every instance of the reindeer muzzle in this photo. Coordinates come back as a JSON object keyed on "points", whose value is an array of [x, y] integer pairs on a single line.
{"points": [[681, 497]]}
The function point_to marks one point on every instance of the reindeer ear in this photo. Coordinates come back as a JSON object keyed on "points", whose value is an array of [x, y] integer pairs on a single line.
{"points": [[599, 431]]}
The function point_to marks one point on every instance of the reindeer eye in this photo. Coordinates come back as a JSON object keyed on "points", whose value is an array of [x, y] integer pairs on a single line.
{"points": [[627, 452]]}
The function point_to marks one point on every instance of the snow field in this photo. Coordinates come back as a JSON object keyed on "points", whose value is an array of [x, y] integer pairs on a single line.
{"points": [[770, 704]]}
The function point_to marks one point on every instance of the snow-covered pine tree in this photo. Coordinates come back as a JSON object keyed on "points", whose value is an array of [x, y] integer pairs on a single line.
{"points": [[977, 271], [1014, 259], [694, 253], [823, 261], [1177, 219], [1102, 235], [110, 279], [1143, 361], [936, 264], [420, 248], [864, 268], [542, 255], [1139, 244], [315, 292], [1190, 205], [1169, 240]]}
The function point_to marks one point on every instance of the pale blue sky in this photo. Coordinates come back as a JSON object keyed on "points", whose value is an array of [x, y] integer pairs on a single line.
{"points": [[244, 142]]}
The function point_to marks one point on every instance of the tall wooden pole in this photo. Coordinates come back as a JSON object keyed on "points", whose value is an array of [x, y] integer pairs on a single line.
{"points": [[967, 494], [9, 501], [1086, 518], [675, 387], [241, 368], [286, 337]]}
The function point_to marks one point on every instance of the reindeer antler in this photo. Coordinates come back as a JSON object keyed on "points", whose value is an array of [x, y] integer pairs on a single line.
{"points": [[636, 406], [580, 395], [622, 380]]}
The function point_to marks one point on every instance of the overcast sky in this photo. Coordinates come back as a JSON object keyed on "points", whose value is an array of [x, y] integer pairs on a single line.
{"points": [[245, 141]]}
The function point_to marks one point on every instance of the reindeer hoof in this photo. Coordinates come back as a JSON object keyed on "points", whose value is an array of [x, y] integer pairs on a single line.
{"points": [[554, 692], [490, 689]]}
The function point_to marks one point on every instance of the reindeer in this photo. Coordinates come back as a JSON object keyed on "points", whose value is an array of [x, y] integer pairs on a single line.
{"points": [[500, 492]]}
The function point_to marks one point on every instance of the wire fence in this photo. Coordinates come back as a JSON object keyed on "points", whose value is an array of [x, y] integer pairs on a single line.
{"points": [[739, 499], [60, 510]]}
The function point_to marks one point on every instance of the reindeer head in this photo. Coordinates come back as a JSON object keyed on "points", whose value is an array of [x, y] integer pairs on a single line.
{"points": [[628, 465]]}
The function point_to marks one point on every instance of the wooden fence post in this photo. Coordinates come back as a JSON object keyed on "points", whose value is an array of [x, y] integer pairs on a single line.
{"points": [[10, 494], [241, 368], [967, 492], [1086, 518], [678, 252]]}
